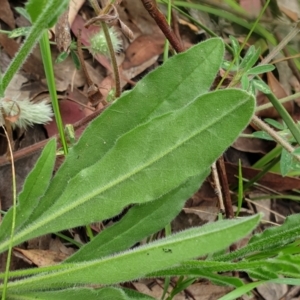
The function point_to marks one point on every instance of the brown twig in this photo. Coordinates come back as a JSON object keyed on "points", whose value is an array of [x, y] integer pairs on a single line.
{"points": [[225, 188], [226, 197], [40, 145], [160, 20]]}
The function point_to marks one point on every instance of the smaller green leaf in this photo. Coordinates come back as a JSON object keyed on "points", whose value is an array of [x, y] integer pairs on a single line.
{"points": [[275, 123], [252, 89], [235, 45], [196, 267], [261, 86], [61, 57], [22, 31], [262, 274], [181, 285], [227, 64], [75, 59], [22, 11], [270, 239], [34, 187], [262, 135], [245, 82], [286, 162], [286, 265], [250, 58], [136, 263], [221, 279], [260, 69], [250, 286]]}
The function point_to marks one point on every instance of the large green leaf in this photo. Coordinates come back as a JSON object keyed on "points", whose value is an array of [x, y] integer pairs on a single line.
{"points": [[145, 163], [136, 263], [167, 88], [141, 221], [175, 84]]}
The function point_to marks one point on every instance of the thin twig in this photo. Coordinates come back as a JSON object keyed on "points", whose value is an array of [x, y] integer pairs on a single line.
{"points": [[37, 147], [225, 188], [217, 186], [13, 222], [160, 20], [265, 127]]}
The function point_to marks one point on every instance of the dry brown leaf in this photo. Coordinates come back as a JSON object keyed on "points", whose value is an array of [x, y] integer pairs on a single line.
{"points": [[139, 17], [289, 13], [271, 291], [74, 7], [31, 66], [6, 14], [143, 49], [62, 33], [134, 71], [40, 258], [254, 145], [57, 246]]}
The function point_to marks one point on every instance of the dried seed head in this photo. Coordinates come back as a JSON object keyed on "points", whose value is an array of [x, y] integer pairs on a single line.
{"points": [[23, 113]]}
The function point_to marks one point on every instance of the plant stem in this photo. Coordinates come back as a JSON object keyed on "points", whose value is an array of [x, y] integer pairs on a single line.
{"points": [[265, 127], [282, 100], [113, 59], [47, 62], [285, 116], [110, 47], [13, 223]]}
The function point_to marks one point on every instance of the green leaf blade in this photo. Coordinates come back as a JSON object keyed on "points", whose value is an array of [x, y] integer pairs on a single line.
{"points": [[34, 187], [178, 82], [165, 152], [270, 239], [138, 262]]}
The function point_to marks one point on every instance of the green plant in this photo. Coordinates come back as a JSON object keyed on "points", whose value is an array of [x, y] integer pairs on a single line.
{"points": [[153, 147], [149, 152], [244, 68]]}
